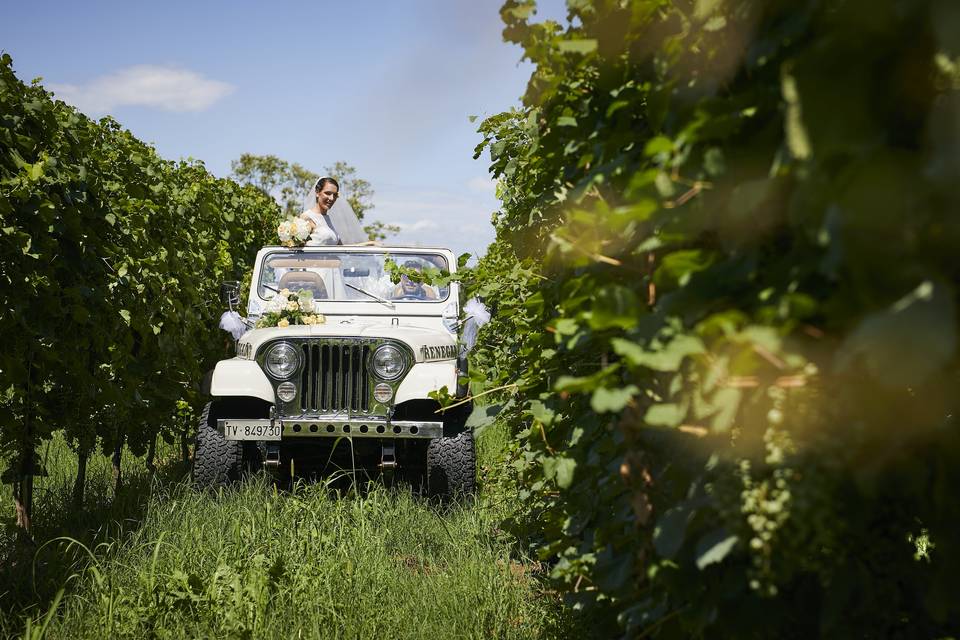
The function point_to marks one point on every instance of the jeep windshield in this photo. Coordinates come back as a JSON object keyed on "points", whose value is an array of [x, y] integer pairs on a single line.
{"points": [[352, 277]]}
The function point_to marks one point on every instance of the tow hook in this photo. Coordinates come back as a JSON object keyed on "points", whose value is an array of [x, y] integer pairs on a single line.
{"points": [[271, 459], [388, 458]]}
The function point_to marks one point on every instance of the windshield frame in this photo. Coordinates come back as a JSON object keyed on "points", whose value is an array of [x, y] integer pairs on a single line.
{"points": [[263, 290]]}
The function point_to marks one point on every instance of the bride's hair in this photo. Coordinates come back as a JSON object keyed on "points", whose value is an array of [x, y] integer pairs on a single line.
{"points": [[325, 180]]}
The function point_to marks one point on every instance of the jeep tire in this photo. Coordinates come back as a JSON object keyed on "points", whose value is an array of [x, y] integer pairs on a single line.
{"points": [[452, 466], [216, 461]]}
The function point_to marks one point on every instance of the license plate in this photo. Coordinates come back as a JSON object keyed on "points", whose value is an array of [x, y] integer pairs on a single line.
{"points": [[240, 430]]}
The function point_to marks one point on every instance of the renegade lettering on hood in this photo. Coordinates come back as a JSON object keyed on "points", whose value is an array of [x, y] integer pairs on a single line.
{"points": [[440, 352]]}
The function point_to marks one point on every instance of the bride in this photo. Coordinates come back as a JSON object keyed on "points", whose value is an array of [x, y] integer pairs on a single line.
{"points": [[333, 223]]}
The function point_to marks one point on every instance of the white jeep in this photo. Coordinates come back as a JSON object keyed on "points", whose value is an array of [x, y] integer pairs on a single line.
{"points": [[350, 390]]}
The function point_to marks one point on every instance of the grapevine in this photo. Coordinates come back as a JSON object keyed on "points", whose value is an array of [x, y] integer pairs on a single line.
{"points": [[111, 257], [724, 302]]}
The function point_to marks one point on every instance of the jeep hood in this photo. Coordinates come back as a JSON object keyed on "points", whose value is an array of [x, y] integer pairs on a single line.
{"points": [[426, 344]]}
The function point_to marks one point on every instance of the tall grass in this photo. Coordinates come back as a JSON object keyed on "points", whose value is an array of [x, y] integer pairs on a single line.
{"points": [[31, 574], [253, 561]]}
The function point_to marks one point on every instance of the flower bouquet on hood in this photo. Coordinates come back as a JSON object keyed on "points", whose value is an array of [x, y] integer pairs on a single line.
{"points": [[294, 232], [290, 308]]}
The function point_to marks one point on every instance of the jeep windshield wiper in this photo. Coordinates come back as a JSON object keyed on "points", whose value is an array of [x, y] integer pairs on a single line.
{"points": [[372, 295]]}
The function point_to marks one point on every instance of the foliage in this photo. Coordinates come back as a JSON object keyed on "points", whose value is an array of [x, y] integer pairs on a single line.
{"points": [[378, 231], [110, 259], [724, 298], [431, 275], [289, 182]]}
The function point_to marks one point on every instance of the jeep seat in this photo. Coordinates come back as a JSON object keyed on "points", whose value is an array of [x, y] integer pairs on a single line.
{"points": [[297, 280]]}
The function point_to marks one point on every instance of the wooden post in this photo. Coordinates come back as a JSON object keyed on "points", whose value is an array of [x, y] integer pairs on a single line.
{"points": [[651, 287], [23, 492], [117, 457], [151, 455], [22, 499], [23, 486], [80, 482], [185, 445]]}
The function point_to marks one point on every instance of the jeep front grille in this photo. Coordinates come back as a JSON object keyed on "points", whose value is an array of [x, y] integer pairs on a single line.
{"points": [[334, 376]]}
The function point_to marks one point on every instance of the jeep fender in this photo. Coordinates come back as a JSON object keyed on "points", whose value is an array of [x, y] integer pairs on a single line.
{"points": [[238, 377], [425, 377]]}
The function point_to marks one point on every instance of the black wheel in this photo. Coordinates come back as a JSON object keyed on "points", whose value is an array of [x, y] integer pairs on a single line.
{"points": [[452, 466], [216, 460]]}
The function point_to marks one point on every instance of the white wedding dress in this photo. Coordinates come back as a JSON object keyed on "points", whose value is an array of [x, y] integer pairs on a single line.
{"points": [[324, 233]]}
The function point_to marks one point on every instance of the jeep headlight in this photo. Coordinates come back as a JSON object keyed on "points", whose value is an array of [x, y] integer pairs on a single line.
{"points": [[282, 360], [388, 362]]}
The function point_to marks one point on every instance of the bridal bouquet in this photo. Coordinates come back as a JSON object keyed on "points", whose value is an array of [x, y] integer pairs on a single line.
{"points": [[294, 232], [288, 307]]}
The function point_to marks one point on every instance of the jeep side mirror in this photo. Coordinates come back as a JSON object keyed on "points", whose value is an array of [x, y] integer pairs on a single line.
{"points": [[230, 293]]}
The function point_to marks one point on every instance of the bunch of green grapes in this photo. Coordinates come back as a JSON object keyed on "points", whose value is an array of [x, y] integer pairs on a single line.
{"points": [[788, 501]]}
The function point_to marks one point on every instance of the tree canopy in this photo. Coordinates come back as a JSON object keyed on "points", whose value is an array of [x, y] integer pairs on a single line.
{"points": [[291, 184]]}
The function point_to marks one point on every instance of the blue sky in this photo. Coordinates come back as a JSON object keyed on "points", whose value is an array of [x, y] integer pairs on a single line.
{"points": [[385, 86]]}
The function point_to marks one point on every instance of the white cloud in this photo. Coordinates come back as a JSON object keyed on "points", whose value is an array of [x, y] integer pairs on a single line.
{"points": [[420, 225], [437, 218], [482, 184], [166, 88]]}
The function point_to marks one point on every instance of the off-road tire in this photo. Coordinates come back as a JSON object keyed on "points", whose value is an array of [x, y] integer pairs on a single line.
{"points": [[452, 466], [216, 461]]}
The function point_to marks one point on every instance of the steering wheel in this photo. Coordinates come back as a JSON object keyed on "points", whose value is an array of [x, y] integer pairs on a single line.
{"points": [[411, 296]]}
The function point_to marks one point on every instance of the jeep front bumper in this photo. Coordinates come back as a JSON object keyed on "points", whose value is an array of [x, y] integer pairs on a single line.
{"points": [[320, 427]]}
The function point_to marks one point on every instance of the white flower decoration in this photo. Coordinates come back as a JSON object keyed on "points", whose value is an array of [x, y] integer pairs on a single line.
{"points": [[285, 232], [300, 229]]}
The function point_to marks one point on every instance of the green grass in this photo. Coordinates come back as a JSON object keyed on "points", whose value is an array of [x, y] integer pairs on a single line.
{"points": [[256, 562], [30, 575]]}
